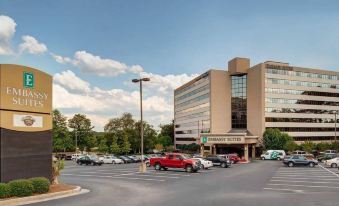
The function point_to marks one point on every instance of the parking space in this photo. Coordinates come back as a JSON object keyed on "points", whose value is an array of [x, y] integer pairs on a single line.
{"points": [[129, 172], [304, 180]]}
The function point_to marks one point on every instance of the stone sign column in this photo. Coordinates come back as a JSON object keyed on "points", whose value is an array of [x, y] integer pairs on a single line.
{"points": [[25, 123]]}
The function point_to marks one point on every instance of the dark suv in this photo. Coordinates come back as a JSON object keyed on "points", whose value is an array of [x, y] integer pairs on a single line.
{"points": [[297, 160], [87, 160], [218, 160]]}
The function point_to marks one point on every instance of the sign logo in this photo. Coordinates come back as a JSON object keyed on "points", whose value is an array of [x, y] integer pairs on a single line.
{"points": [[204, 139], [28, 80], [28, 120]]}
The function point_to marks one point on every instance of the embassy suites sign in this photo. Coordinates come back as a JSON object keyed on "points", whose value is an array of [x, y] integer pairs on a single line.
{"points": [[26, 89], [223, 139]]}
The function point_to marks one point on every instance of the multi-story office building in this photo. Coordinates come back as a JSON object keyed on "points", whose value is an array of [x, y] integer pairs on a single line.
{"points": [[228, 111]]}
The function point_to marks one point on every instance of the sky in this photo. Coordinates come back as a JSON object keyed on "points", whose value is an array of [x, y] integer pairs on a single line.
{"points": [[94, 48]]}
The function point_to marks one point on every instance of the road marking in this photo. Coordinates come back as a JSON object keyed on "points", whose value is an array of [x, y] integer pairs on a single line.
{"points": [[299, 178], [302, 175], [304, 181], [316, 186], [126, 174], [171, 174], [115, 177], [335, 174], [296, 191]]}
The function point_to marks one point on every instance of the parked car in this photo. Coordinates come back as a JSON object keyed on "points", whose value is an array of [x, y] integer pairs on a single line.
{"points": [[89, 160], [109, 159], [234, 158], [175, 160], [134, 158], [273, 155], [332, 162], [76, 156], [330, 152], [298, 152], [298, 160], [219, 161], [205, 164], [324, 157], [126, 159]]}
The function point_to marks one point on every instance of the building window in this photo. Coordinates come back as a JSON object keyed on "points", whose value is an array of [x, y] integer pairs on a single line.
{"points": [[239, 101]]}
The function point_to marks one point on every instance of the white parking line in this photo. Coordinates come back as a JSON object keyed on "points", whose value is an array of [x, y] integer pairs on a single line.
{"points": [[315, 186], [278, 189], [335, 174], [302, 178], [115, 177], [304, 181], [302, 175]]}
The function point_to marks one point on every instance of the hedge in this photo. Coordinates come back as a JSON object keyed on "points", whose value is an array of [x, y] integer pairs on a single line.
{"points": [[4, 190], [40, 184], [21, 188]]}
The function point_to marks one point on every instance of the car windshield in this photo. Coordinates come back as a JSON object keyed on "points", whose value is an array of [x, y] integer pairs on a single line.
{"points": [[185, 156]]}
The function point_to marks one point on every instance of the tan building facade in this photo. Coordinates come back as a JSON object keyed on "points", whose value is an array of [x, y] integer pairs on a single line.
{"points": [[228, 111]]}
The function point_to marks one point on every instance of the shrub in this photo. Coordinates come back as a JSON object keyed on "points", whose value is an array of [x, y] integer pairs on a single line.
{"points": [[40, 184], [21, 188], [4, 190]]}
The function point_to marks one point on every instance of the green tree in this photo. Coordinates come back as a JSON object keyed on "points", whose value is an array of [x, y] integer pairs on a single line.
{"points": [[102, 147], [159, 147], [126, 146], [83, 131], [115, 149], [322, 146], [168, 130], [274, 139], [61, 137], [308, 146], [164, 140], [291, 146]]}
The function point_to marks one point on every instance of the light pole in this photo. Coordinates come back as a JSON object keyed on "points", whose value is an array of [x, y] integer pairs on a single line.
{"points": [[142, 166], [335, 126]]}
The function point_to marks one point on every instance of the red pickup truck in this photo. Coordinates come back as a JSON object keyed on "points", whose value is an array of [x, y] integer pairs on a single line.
{"points": [[175, 160]]}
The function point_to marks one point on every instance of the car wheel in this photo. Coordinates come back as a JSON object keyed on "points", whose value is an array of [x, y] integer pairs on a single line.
{"points": [[157, 166], [290, 164], [232, 161], [223, 165], [278, 159], [333, 165], [189, 168], [263, 158], [312, 164], [202, 167], [148, 164], [113, 162]]}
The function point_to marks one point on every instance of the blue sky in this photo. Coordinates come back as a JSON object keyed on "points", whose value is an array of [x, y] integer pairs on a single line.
{"points": [[165, 38]]}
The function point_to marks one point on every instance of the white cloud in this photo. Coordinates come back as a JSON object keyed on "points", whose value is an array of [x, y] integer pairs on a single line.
{"points": [[7, 30], [69, 80], [89, 63], [71, 93], [31, 45]]}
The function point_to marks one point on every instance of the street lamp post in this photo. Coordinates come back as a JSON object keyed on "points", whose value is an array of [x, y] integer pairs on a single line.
{"points": [[142, 166], [335, 126]]}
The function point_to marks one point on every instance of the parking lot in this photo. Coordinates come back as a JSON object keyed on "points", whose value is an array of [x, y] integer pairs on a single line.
{"points": [[262, 183]]}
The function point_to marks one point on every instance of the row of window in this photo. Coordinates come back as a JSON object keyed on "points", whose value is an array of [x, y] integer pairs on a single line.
{"points": [[300, 92], [201, 123], [196, 91], [320, 138], [299, 101], [238, 101], [302, 120], [199, 98], [191, 116], [300, 83], [293, 110], [201, 79], [193, 131], [200, 106], [301, 74], [306, 129]]}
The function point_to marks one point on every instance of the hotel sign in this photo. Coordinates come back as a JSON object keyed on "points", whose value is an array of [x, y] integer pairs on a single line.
{"points": [[223, 140]]}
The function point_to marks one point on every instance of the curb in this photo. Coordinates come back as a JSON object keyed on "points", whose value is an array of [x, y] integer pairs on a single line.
{"points": [[43, 197]]}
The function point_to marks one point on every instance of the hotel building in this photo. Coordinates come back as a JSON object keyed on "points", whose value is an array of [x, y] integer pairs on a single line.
{"points": [[228, 111]]}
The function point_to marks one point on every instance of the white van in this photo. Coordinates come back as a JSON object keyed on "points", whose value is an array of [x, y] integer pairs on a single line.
{"points": [[273, 155]]}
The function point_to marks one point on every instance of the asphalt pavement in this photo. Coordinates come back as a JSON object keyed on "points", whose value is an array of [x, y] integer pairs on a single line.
{"points": [[262, 183]]}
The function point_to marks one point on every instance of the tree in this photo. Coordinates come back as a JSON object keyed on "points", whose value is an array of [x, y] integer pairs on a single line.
{"points": [[115, 149], [126, 146], [168, 130], [83, 129], [308, 146], [274, 139], [102, 147], [159, 147], [291, 146], [61, 137], [164, 140]]}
